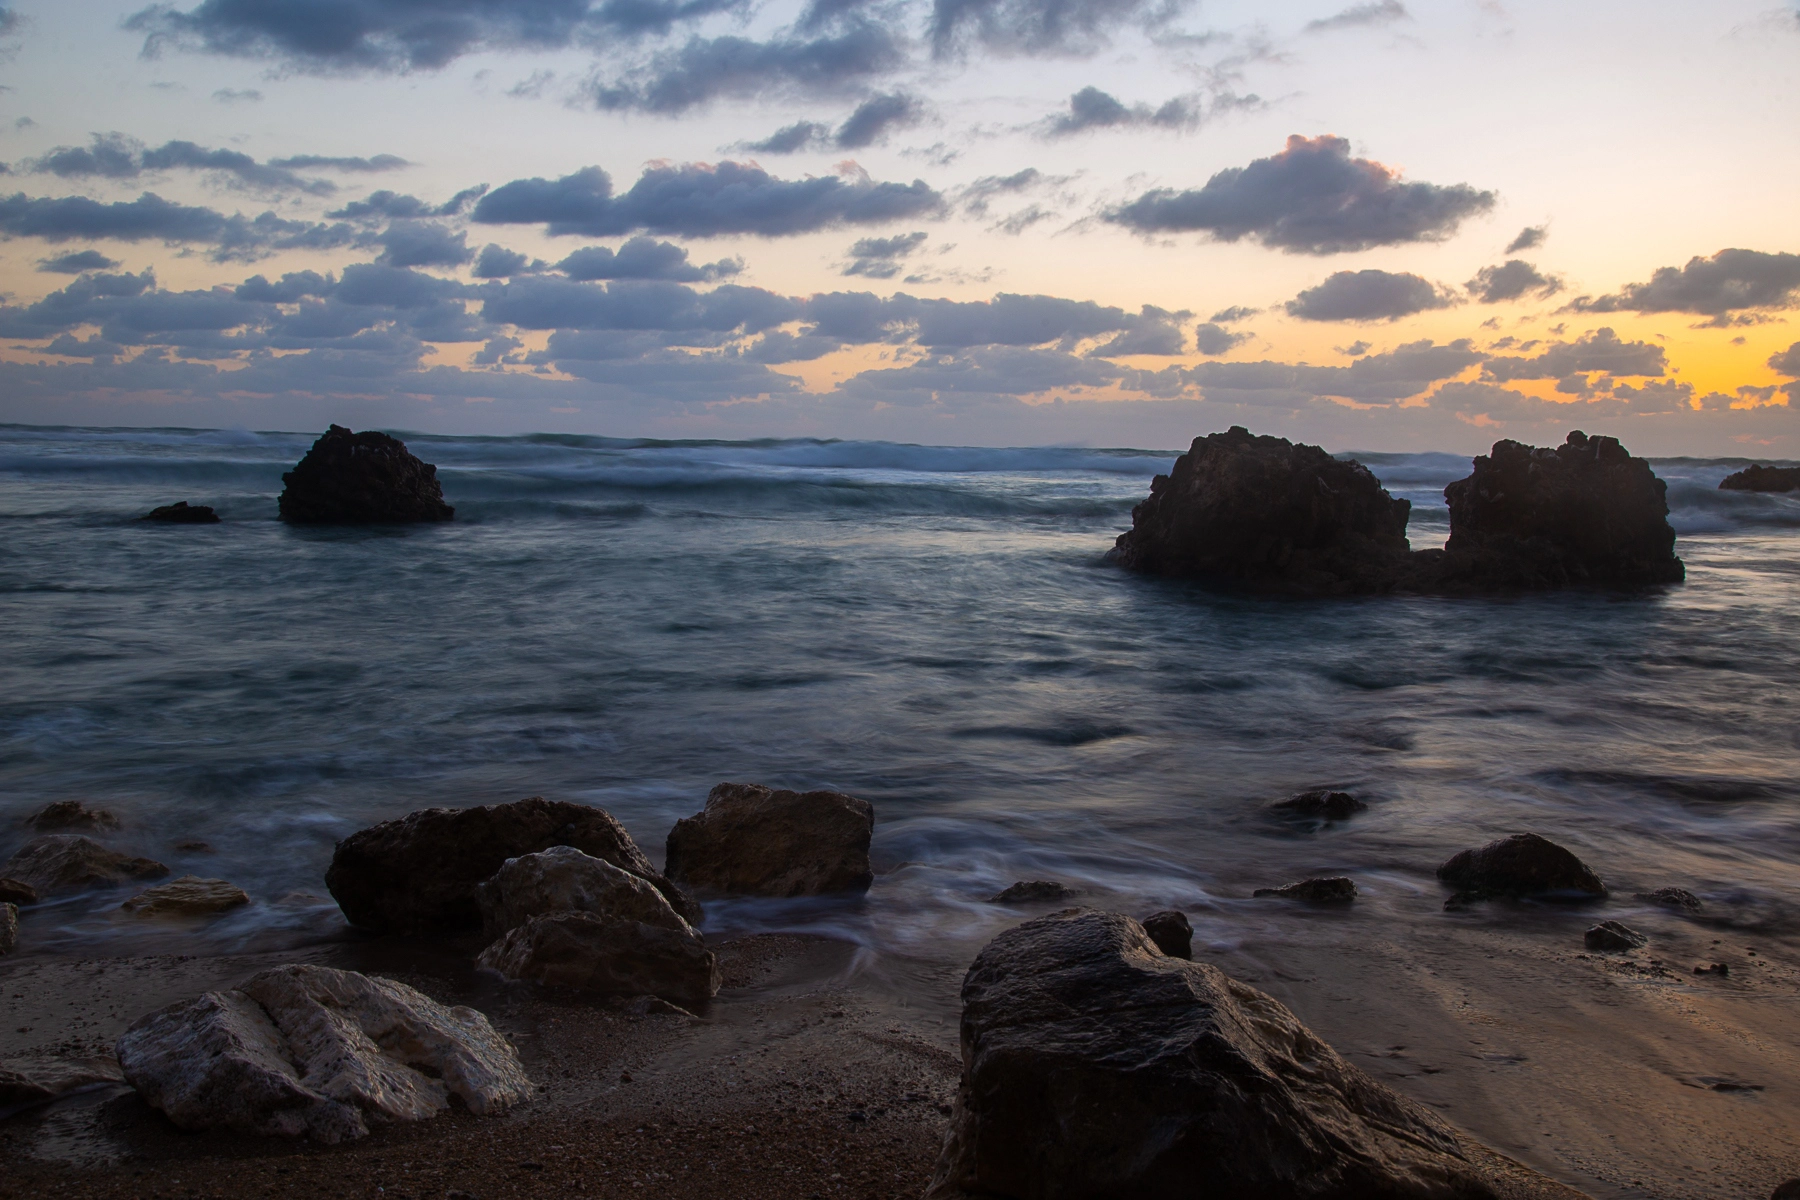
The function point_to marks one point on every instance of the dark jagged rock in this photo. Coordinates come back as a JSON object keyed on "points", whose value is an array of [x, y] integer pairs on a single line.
{"points": [[9, 926], [62, 862], [1032, 891], [1788, 1190], [419, 874], [759, 841], [1673, 897], [1171, 933], [1522, 865], [1269, 514], [1335, 890], [1758, 478], [362, 479], [65, 815], [1096, 1066], [1613, 935], [1320, 805], [183, 513], [17, 891], [1584, 513]]}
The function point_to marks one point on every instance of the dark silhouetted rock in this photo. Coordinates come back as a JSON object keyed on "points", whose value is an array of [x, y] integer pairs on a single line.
{"points": [[1522, 865], [188, 896], [1758, 478], [1171, 933], [608, 957], [753, 840], [1268, 514], [183, 513], [1613, 935], [67, 815], [1095, 1066], [361, 479], [1713, 969], [419, 874], [1584, 513], [1032, 891], [9, 927], [1789, 1190], [1673, 897], [62, 862], [17, 891], [1319, 805], [1334, 890]]}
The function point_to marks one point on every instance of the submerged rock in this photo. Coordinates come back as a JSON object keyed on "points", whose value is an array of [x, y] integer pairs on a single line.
{"points": [[360, 479], [1171, 933], [609, 956], [9, 927], [1613, 935], [1522, 865], [1321, 805], [62, 862], [71, 814], [1758, 478], [1673, 897], [1032, 891], [17, 891], [27, 1082], [187, 896], [1335, 890], [310, 1050], [1270, 514], [419, 874], [1096, 1066], [759, 841], [183, 513]]}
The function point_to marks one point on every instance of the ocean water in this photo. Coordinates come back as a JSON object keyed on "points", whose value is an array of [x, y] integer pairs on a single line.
{"points": [[627, 623]]}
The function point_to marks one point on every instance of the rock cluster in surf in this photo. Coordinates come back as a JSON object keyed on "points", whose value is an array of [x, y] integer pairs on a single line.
{"points": [[359, 479], [759, 841], [1758, 478]]}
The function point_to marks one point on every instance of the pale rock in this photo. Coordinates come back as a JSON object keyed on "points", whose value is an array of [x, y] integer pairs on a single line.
{"points": [[188, 896], [61, 862], [563, 879]]}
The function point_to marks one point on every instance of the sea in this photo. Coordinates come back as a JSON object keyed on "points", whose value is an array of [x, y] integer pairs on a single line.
{"points": [[627, 623]]}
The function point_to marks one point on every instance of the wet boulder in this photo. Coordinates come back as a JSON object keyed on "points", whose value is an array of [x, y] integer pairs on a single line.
{"points": [[419, 874], [1613, 935], [1171, 932], [609, 956], [1584, 513], [1679, 899], [759, 841], [1033, 891], [306, 1050], [15, 891], [1758, 478], [1096, 1066], [187, 896], [361, 479], [1335, 890], [563, 879], [1266, 513], [9, 927], [64, 862], [71, 815], [183, 513], [1522, 865], [1321, 805]]}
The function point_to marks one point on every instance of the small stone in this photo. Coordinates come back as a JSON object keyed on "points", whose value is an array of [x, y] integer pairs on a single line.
{"points": [[193, 846], [1673, 897], [1335, 890], [1612, 935], [1322, 805], [70, 814], [1713, 969], [1171, 932], [1032, 891], [188, 896], [14, 891], [60, 862], [183, 513], [9, 927]]}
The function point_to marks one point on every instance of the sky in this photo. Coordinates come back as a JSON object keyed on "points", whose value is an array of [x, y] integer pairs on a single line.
{"points": [[1376, 224]]}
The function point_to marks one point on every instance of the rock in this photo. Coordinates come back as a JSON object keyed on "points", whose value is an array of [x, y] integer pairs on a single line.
{"points": [[1713, 969], [71, 814], [1335, 890], [1522, 865], [1789, 1190], [1264, 512], [1171, 933], [183, 513], [9, 927], [1673, 897], [1096, 1066], [27, 1082], [1612, 935], [1758, 478], [1032, 891], [188, 896], [608, 957], [193, 846], [61, 862], [361, 478], [1586, 512], [309, 1050], [419, 874], [753, 840], [14, 891], [563, 879], [1322, 805]]}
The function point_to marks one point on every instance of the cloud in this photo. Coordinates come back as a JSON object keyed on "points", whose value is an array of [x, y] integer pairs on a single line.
{"points": [[549, 302], [1156, 331], [1600, 350], [1091, 109], [115, 156], [77, 262], [1786, 362], [1236, 312], [644, 258], [791, 139], [150, 217], [423, 244], [1530, 238], [1034, 27], [1312, 198], [708, 69], [1381, 12], [879, 258], [1728, 281], [1368, 296], [700, 200], [874, 117], [1511, 280], [237, 96], [327, 162], [1212, 339], [1378, 379], [497, 262]]}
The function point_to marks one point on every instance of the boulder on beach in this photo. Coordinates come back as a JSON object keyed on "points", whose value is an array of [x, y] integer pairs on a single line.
{"points": [[305, 1050], [1171, 932], [1321, 805], [1266, 513], [419, 874], [17, 891], [1032, 891], [9, 927], [609, 956], [1758, 478], [1095, 1065], [25, 1082], [1676, 898], [67, 815], [1334, 890], [1613, 935], [63, 862], [1786, 1190], [183, 513], [759, 841], [187, 896], [1522, 865], [361, 479], [563, 879]]}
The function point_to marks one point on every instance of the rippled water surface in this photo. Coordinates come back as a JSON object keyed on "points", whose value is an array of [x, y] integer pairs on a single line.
{"points": [[628, 623]]}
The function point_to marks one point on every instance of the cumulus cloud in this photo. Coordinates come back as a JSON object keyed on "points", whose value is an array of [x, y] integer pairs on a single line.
{"points": [[1786, 362], [423, 244], [1728, 281], [550, 302], [115, 156], [1511, 280], [872, 121], [77, 262], [879, 258], [1312, 198], [151, 218], [1530, 238], [708, 69], [1368, 296], [1213, 339], [644, 258], [701, 200], [1156, 331], [1091, 109], [497, 262], [1405, 371], [1601, 350], [1381, 12]]}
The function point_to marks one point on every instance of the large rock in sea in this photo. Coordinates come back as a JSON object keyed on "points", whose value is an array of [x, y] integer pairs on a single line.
{"points": [[67, 815], [1584, 513], [1095, 1066], [310, 1050], [360, 479], [1758, 478], [1265, 513], [759, 841], [609, 956], [1522, 865], [63, 862], [419, 874], [183, 513]]}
